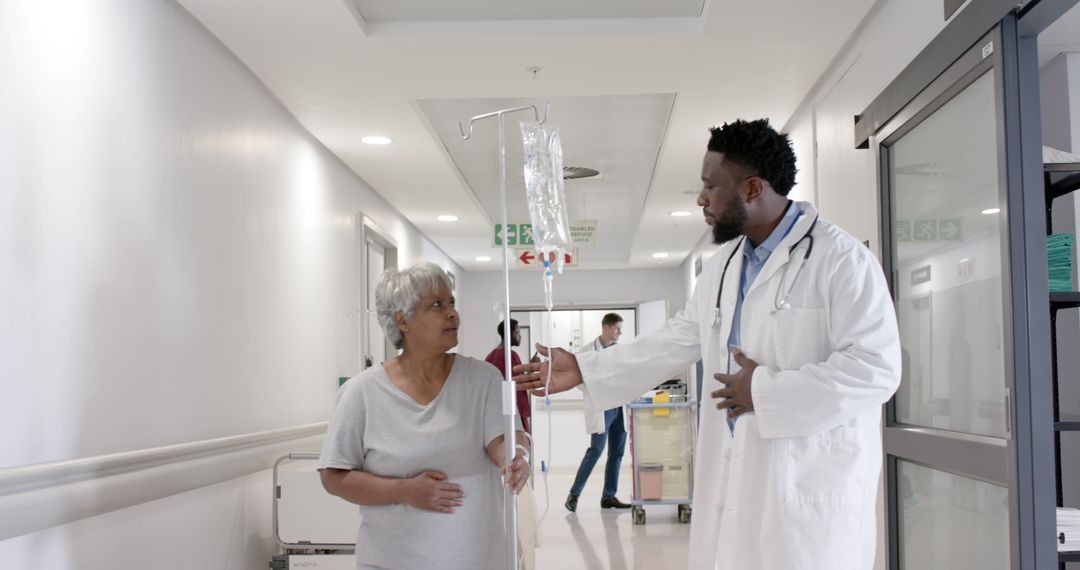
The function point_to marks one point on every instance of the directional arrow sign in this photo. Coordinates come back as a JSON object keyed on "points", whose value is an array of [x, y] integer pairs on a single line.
{"points": [[950, 230], [527, 257]]}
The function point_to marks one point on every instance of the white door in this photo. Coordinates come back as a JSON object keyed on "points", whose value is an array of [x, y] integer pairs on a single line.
{"points": [[651, 316]]}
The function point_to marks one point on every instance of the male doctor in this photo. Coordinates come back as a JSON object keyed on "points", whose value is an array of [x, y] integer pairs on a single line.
{"points": [[796, 326]]}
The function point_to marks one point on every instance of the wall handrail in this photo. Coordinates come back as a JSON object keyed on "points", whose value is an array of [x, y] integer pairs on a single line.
{"points": [[45, 495]]}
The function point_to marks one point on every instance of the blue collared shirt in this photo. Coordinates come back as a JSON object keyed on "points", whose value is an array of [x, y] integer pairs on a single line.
{"points": [[754, 259]]}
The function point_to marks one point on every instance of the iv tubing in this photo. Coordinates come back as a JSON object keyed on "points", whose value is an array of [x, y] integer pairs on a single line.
{"points": [[544, 467]]}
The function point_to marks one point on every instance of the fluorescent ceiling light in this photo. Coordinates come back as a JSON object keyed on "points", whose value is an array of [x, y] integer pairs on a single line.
{"points": [[681, 213], [448, 218], [659, 255], [991, 211], [376, 140], [483, 258]]}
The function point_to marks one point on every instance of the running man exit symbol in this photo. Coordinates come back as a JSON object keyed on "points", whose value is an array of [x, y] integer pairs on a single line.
{"points": [[926, 230]]}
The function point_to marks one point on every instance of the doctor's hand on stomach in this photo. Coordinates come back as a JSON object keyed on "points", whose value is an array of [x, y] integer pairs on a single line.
{"points": [[737, 398], [565, 373], [430, 491]]}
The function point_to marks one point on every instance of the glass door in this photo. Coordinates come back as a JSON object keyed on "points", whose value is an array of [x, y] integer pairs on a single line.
{"points": [[950, 442]]}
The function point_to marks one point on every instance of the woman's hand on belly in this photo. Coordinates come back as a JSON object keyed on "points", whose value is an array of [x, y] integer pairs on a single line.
{"points": [[430, 491]]}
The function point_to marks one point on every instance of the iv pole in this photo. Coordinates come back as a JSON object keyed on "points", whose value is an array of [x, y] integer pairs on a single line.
{"points": [[509, 409]]}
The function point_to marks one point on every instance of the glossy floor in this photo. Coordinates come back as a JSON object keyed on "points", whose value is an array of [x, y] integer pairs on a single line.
{"points": [[600, 539]]}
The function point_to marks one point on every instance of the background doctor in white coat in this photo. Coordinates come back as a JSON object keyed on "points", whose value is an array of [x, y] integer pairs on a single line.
{"points": [[789, 454]]}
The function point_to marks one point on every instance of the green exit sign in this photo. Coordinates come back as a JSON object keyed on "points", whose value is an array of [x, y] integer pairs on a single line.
{"points": [[516, 234]]}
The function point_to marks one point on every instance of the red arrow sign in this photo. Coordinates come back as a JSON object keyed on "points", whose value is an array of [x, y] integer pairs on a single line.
{"points": [[527, 257]]}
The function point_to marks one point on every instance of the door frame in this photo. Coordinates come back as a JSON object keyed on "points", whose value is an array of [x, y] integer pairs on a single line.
{"points": [[367, 230], [1023, 461]]}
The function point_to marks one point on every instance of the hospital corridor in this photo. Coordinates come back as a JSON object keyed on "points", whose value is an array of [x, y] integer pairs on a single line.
{"points": [[550, 285]]}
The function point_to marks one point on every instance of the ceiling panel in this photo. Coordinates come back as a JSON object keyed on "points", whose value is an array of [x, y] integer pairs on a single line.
{"points": [[381, 11], [619, 135]]}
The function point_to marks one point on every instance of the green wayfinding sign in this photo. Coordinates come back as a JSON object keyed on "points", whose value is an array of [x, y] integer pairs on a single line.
{"points": [[516, 234], [581, 233]]}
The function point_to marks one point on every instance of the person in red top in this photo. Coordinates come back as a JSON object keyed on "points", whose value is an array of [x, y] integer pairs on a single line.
{"points": [[497, 358]]}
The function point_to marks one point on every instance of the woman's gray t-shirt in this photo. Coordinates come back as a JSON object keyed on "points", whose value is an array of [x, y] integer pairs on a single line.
{"points": [[379, 429]]}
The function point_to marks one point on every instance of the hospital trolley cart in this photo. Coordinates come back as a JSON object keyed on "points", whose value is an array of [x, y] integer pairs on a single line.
{"points": [[662, 436], [313, 529]]}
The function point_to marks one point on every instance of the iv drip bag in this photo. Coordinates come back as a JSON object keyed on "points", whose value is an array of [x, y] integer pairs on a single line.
{"points": [[544, 191]]}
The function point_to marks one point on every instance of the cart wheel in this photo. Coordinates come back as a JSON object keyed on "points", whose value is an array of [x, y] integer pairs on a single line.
{"points": [[639, 514], [684, 513]]}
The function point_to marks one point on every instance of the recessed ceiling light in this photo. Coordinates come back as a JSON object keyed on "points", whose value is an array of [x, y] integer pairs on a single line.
{"points": [[448, 218], [681, 213], [483, 258], [660, 255], [376, 140], [991, 211]]}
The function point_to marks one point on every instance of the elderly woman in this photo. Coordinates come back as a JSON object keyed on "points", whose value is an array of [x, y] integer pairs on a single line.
{"points": [[417, 442]]}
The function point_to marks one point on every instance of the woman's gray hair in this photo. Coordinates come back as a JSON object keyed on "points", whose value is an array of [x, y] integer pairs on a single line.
{"points": [[400, 292]]}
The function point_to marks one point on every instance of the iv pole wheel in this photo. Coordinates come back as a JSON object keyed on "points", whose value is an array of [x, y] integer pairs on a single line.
{"points": [[639, 515]]}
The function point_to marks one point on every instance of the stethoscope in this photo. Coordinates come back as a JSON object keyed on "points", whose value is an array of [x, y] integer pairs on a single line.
{"points": [[779, 303]]}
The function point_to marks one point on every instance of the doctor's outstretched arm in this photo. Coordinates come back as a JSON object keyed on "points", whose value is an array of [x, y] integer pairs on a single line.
{"points": [[622, 373], [565, 374]]}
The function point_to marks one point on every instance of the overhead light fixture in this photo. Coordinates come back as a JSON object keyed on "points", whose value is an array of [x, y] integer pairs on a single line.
{"points": [[681, 213], [448, 218], [660, 255], [376, 140], [991, 211], [483, 258], [576, 172]]}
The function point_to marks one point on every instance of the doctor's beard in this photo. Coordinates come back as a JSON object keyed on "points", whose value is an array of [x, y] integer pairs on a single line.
{"points": [[732, 223]]}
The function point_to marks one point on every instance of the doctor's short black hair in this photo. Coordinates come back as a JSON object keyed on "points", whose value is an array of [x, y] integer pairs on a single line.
{"points": [[756, 146], [611, 319]]}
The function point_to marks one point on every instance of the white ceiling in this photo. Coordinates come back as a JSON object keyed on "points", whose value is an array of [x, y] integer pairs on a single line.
{"points": [[380, 11], [345, 77]]}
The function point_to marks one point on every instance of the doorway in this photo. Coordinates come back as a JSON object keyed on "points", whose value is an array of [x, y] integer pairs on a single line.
{"points": [[378, 254]]}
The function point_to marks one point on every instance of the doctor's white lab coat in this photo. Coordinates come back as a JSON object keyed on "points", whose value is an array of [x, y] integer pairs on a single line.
{"points": [[795, 487]]}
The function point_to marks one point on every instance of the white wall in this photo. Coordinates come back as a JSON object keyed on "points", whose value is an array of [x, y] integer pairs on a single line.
{"points": [[177, 254], [844, 179], [221, 526], [1059, 82]]}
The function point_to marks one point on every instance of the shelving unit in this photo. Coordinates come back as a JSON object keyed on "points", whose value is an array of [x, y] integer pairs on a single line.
{"points": [[1059, 180]]}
